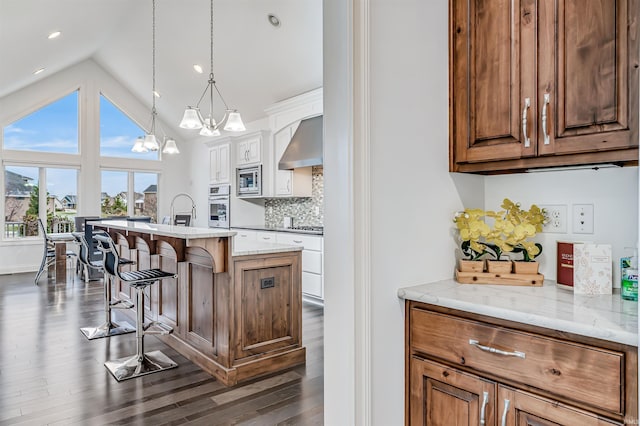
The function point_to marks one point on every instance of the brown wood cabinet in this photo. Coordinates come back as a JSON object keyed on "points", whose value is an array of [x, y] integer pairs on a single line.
{"points": [[463, 368], [542, 83]]}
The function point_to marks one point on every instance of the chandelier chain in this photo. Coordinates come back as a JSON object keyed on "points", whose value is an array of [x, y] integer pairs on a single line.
{"points": [[211, 47]]}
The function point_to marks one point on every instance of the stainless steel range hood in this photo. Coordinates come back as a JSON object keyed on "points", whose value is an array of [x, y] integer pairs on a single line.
{"points": [[305, 148]]}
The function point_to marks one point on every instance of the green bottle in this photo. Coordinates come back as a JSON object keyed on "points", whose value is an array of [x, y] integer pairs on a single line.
{"points": [[629, 285]]}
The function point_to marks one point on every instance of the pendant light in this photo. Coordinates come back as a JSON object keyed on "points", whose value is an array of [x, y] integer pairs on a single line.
{"points": [[192, 119], [150, 141]]}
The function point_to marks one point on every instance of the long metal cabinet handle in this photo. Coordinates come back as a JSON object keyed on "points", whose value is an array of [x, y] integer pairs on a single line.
{"points": [[504, 413], [547, 99], [527, 139], [477, 344], [485, 400]]}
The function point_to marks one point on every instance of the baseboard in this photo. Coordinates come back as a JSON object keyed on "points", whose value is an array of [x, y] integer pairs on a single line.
{"points": [[18, 269]]}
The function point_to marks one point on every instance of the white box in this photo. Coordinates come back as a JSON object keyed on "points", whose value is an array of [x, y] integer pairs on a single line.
{"points": [[592, 268]]}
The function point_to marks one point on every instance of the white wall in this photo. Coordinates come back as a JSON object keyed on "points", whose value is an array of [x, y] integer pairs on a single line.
{"points": [[613, 192], [25, 255]]}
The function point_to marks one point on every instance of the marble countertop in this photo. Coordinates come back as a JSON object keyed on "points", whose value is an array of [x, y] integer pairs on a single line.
{"points": [[606, 317], [246, 248], [266, 228], [184, 232]]}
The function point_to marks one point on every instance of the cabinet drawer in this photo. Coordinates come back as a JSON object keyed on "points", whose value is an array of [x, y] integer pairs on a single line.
{"points": [[312, 261], [267, 237], [244, 235], [312, 284], [309, 242], [571, 370]]}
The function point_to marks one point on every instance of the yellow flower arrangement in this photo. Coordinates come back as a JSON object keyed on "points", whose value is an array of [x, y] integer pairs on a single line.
{"points": [[511, 231]]}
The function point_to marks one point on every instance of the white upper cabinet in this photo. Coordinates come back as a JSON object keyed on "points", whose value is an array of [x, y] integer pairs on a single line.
{"points": [[219, 164], [249, 148], [289, 183]]}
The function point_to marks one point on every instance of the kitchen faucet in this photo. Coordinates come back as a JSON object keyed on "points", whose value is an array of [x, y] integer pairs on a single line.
{"points": [[193, 206]]}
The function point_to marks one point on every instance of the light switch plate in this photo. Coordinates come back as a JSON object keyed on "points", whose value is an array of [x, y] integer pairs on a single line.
{"points": [[582, 218], [556, 218]]}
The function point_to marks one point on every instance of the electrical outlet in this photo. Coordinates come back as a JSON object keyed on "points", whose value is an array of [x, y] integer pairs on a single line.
{"points": [[556, 218], [582, 219]]}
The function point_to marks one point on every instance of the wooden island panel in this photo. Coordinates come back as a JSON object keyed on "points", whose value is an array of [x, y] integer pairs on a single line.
{"points": [[226, 318]]}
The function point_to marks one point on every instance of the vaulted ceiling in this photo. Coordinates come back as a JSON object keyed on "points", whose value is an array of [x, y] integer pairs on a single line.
{"points": [[255, 63]]}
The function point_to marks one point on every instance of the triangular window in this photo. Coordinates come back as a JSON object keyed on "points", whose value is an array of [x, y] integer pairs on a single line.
{"points": [[118, 133], [52, 128]]}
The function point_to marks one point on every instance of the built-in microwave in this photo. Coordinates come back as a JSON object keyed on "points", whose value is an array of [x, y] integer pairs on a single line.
{"points": [[249, 181]]}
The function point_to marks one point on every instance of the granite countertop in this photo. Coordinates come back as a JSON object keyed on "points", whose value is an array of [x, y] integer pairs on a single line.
{"points": [[184, 232], [270, 229], [246, 248], [606, 317]]}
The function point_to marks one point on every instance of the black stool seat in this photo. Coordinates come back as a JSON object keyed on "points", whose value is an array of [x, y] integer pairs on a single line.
{"points": [[144, 277]]}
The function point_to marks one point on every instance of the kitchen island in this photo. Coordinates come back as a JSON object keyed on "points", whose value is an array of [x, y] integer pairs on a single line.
{"points": [[235, 310]]}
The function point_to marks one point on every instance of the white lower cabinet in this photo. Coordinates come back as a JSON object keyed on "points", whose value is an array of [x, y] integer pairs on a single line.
{"points": [[312, 263], [245, 235]]}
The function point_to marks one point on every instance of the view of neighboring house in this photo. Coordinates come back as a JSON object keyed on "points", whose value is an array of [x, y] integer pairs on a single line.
{"points": [[18, 191], [70, 202], [150, 201]]}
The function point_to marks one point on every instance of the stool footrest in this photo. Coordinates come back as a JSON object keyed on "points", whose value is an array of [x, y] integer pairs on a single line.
{"points": [[157, 328], [121, 304]]}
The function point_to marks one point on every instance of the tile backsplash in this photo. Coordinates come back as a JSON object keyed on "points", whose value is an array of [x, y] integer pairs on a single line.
{"points": [[307, 211]]}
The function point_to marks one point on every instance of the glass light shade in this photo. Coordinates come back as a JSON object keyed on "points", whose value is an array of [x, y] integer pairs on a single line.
{"points": [[234, 123], [139, 146], [209, 128], [170, 147], [191, 119], [151, 143]]}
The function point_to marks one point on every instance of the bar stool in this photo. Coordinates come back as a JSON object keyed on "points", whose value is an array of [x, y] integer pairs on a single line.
{"points": [[141, 363], [108, 328]]}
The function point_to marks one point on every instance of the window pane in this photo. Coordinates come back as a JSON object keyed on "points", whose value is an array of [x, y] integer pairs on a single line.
{"points": [[20, 201], [114, 194], [118, 133], [53, 128], [62, 200], [146, 191]]}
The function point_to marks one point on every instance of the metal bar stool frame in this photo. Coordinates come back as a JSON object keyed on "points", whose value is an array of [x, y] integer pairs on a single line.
{"points": [[141, 363], [109, 327], [49, 254]]}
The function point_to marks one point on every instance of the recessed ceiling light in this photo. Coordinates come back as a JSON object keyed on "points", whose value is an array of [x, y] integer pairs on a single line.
{"points": [[198, 68], [156, 94], [38, 71], [54, 34], [273, 20]]}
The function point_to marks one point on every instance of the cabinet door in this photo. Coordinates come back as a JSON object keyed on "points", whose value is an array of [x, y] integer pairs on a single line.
{"points": [[248, 151], [223, 164], [214, 164], [492, 74], [282, 178], [518, 408], [587, 70], [441, 396]]}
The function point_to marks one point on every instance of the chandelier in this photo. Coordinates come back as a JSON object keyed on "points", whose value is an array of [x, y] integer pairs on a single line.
{"points": [[150, 141], [192, 119]]}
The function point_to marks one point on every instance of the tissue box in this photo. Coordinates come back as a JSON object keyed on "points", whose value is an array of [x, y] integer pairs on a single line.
{"points": [[592, 268]]}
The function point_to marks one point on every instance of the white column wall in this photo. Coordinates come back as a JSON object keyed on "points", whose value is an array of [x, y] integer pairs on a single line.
{"points": [[25, 255]]}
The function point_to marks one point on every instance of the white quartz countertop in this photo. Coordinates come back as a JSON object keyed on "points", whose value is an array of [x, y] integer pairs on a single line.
{"points": [[246, 248], [606, 317], [184, 232]]}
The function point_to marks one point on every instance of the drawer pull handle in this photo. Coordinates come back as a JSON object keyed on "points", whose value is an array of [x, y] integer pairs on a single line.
{"points": [[504, 413], [485, 400], [547, 99], [494, 350], [527, 139], [297, 241]]}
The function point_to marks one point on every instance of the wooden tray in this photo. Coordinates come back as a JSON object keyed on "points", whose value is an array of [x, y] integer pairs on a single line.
{"points": [[530, 280]]}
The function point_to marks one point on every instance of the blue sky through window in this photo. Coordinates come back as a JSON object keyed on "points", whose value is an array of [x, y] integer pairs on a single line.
{"points": [[53, 128], [118, 133]]}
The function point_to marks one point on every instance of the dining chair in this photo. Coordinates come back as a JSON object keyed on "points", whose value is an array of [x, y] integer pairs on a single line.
{"points": [[49, 252]]}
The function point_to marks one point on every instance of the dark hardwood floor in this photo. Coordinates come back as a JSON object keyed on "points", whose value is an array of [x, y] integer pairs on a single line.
{"points": [[51, 375]]}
